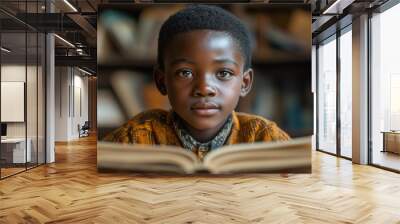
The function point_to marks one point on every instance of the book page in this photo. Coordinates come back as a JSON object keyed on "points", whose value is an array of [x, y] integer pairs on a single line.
{"points": [[293, 155], [145, 158]]}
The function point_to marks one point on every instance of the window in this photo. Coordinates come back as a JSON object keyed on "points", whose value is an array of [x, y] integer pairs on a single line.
{"points": [[346, 93], [327, 96], [385, 88]]}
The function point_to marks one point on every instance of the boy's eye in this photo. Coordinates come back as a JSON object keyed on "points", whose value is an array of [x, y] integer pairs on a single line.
{"points": [[185, 73], [224, 74]]}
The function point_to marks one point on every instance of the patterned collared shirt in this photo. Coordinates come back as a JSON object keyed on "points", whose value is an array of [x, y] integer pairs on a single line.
{"points": [[199, 148]]}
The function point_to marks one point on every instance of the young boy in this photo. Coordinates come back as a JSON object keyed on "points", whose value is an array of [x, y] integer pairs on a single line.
{"points": [[203, 65]]}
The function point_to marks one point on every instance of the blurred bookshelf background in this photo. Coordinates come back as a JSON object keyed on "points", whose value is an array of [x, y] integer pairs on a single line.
{"points": [[127, 46]]}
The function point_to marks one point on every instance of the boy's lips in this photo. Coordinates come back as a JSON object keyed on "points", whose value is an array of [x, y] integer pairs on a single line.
{"points": [[205, 108]]}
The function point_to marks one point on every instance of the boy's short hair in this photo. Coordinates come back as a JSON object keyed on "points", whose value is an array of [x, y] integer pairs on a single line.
{"points": [[199, 17]]}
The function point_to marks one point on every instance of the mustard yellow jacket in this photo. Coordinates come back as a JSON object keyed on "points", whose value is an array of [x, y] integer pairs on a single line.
{"points": [[156, 127]]}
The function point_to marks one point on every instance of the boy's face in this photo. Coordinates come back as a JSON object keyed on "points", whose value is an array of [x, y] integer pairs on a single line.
{"points": [[203, 77]]}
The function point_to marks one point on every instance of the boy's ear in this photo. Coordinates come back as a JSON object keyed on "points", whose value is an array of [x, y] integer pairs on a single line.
{"points": [[247, 82], [159, 79]]}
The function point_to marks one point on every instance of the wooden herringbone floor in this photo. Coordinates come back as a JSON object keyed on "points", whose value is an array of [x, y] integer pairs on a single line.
{"points": [[71, 191]]}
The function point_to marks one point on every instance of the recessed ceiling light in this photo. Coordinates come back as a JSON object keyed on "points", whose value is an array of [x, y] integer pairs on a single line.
{"points": [[84, 71], [70, 5], [337, 7], [5, 50], [64, 40]]}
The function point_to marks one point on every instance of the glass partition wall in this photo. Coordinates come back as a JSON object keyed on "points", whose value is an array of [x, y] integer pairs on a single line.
{"points": [[22, 77]]}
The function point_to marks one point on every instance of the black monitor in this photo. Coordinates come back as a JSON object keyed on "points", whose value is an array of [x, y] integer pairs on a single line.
{"points": [[3, 129]]}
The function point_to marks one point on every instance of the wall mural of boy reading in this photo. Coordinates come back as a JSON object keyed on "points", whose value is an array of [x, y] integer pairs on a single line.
{"points": [[203, 66]]}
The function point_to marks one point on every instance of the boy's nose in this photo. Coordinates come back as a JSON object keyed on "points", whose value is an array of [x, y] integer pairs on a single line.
{"points": [[203, 87]]}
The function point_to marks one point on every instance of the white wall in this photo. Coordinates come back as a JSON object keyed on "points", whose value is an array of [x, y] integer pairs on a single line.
{"points": [[71, 87], [62, 81]]}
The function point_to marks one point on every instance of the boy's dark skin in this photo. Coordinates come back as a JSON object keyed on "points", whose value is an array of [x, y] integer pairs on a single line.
{"points": [[204, 77]]}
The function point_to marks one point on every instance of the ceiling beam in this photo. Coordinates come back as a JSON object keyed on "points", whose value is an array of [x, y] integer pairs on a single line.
{"points": [[83, 61]]}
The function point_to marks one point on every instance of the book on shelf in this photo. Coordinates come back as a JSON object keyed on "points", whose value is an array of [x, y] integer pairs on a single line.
{"points": [[292, 156]]}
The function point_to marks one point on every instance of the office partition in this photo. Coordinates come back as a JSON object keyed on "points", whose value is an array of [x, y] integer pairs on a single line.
{"points": [[22, 77]]}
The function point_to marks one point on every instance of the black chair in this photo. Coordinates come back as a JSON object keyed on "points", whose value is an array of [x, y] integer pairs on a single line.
{"points": [[84, 130]]}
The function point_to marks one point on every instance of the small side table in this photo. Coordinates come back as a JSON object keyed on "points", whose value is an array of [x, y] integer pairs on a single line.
{"points": [[391, 141]]}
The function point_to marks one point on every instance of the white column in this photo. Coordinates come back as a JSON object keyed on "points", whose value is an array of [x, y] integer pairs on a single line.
{"points": [[50, 93], [50, 99], [360, 90]]}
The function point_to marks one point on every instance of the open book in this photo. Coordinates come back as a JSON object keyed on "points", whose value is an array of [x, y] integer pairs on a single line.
{"points": [[293, 156]]}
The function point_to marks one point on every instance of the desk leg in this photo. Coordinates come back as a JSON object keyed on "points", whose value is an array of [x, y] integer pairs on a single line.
{"points": [[384, 142]]}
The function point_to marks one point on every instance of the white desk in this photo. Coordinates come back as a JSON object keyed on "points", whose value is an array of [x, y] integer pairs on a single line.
{"points": [[18, 149]]}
